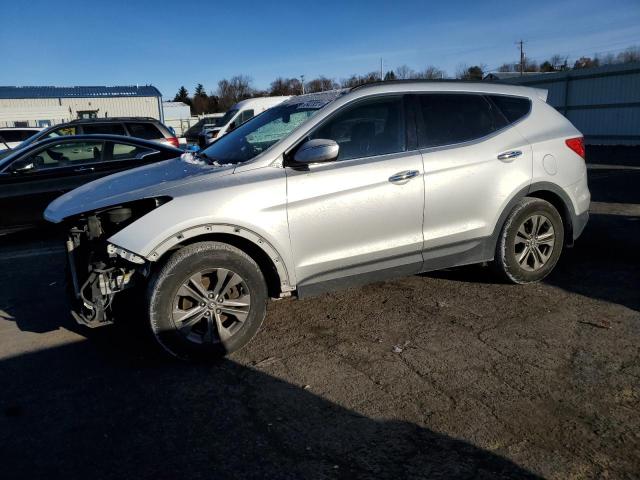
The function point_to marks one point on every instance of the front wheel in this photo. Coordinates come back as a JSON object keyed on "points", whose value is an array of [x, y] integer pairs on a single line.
{"points": [[208, 300], [530, 242]]}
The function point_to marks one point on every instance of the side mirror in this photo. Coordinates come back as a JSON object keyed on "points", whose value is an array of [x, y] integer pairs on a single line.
{"points": [[23, 166], [232, 126], [319, 150]]}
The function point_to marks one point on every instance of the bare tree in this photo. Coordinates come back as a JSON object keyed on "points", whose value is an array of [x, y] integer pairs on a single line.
{"points": [[320, 84], [607, 59], [431, 73], [285, 86], [356, 80], [403, 72], [586, 62], [630, 55], [558, 62], [233, 90]]}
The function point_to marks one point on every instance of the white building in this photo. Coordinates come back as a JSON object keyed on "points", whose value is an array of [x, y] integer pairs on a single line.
{"points": [[44, 106]]}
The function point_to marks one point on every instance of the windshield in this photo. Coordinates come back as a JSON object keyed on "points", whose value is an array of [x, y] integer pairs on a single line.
{"points": [[263, 131], [258, 134]]}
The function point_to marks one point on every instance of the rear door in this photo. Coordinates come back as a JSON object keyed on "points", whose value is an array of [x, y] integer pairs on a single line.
{"points": [[474, 160], [122, 156]]}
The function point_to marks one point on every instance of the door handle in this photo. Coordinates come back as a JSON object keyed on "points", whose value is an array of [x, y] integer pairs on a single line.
{"points": [[83, 169], [406, 175], [510, 155]]}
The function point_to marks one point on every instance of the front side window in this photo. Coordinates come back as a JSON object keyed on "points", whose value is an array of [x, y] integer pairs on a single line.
{"points": [[103, 128], [448, 119], [67, 154], [147, 131], [369, 128]]}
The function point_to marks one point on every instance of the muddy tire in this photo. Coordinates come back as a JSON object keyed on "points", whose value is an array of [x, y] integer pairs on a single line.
{"points": [[208, 300], [530, 242]]}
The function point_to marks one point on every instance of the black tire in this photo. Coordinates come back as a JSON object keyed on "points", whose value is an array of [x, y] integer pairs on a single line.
{"points": [[508, 254], [169, 280]]}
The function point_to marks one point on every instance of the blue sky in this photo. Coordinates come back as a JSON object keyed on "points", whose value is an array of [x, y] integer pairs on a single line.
{"points": [[185, 42]]}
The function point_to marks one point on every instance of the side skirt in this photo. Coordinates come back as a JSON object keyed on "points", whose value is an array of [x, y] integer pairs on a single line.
{"points": [[464, 253]]}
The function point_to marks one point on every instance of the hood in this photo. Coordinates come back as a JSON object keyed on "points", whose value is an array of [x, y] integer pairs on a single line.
{"points": [[153, 180]]}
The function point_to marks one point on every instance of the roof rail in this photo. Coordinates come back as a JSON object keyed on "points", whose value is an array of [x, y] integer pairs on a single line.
{"points": [[116, 119], [417, 80]]}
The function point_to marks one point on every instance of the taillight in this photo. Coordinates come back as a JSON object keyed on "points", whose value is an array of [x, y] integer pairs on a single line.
{"points": [[173, 141], [576, 144]]}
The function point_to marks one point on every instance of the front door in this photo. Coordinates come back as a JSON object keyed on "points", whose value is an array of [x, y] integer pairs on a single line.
{"points": [[360, 217], [32, 181]]}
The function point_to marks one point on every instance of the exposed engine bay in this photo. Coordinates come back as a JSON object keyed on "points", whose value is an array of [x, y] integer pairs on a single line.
{"points": [[98, 270]]}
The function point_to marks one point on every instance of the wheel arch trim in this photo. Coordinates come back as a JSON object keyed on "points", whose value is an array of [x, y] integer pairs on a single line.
{"points": [[287, 283], [568, 214]]}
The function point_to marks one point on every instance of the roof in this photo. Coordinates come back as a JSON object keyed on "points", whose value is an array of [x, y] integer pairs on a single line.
{"points": [[174, 104], [79, 92], [440, 86]]}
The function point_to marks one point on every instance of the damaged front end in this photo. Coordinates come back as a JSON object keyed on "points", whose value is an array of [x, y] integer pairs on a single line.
{"points": [[98, 270]]}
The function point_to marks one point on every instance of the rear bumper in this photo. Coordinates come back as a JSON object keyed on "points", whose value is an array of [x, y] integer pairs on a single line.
{"points": [[579, 222]]}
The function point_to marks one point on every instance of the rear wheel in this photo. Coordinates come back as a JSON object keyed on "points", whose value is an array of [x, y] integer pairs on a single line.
{"points": [[208, 300], [531, 241]]}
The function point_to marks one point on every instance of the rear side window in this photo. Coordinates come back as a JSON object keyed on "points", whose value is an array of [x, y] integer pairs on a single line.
{"points": [[104, 128], [123, 151], [448, 119], [514, 108], [147, 131]]}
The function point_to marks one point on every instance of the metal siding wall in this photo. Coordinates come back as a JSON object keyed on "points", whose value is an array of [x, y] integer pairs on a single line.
{"points": [[114, 106]]}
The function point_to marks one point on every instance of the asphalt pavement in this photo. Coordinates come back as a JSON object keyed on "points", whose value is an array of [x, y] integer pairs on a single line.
{"points": [[451, 374]]}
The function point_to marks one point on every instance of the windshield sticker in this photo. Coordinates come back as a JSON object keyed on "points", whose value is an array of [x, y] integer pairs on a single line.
{"points": [[314, 104]]}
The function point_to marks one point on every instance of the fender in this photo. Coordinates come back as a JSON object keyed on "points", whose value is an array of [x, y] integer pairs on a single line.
{"points": [[568, 214], [287, 283]]}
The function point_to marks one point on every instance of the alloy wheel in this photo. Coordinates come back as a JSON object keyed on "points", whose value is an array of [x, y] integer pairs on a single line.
{"points": [[534, 242], [211, 306]]}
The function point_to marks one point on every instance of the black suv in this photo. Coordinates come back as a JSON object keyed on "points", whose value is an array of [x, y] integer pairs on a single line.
{"points": [[140, 127]]}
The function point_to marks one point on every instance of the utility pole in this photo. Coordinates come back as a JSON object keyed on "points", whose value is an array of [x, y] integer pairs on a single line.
{"points": [[521, 43], [381, 70], [302, 83]]}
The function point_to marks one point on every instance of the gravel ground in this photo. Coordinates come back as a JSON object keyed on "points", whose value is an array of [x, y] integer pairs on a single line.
{"points": [[445, 375]]}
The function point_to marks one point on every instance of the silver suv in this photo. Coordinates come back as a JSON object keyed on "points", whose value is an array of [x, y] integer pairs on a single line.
{"points": [[328, 191]]}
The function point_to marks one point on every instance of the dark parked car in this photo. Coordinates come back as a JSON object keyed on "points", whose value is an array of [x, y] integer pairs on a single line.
{"points": [[138, 127], [30, 178]]}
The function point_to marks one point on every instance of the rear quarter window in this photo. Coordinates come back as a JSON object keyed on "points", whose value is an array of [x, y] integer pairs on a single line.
{"points": [[514, 108], [147, 131]]}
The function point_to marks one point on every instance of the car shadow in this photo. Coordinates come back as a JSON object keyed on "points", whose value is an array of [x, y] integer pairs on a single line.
{"points": [[93, 410], [604, 264]]}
